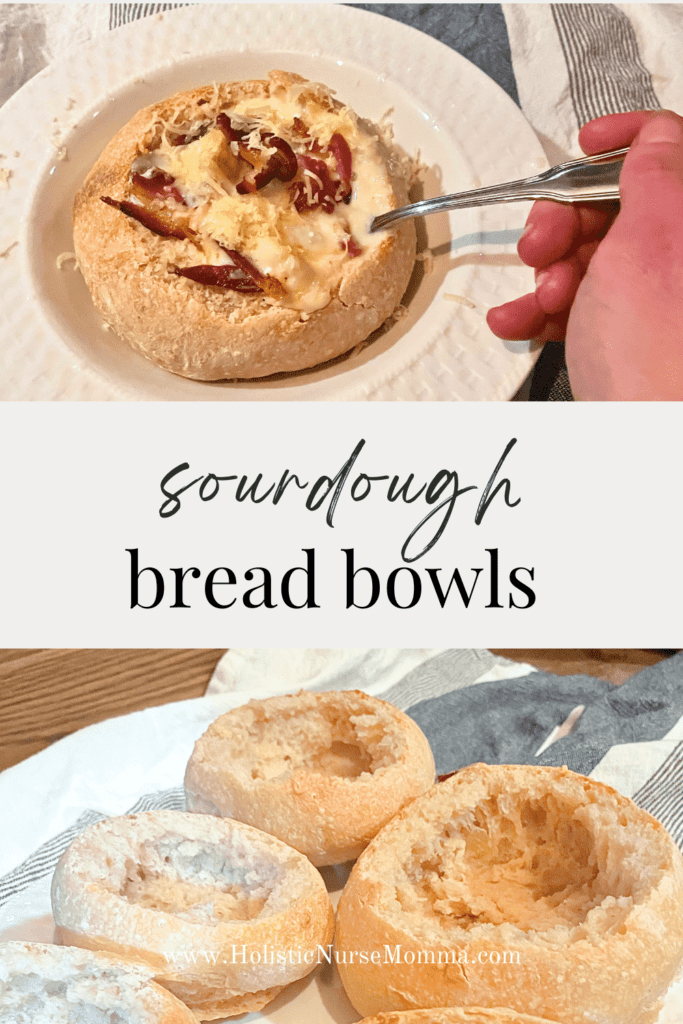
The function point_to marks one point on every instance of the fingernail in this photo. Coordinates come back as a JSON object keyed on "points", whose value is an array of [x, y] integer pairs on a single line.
{"points": [[540, 277], [528, 228], [662, 129]]}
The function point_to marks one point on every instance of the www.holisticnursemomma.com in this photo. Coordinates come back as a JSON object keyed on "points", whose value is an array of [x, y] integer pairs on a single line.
{"points": [[327, 954]]}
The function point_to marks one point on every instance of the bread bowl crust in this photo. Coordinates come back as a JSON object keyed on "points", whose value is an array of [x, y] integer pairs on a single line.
{"points": [[613, 975], [330, 818], [153, 1003], [91, 914], [456, 1015], [209, 333]]}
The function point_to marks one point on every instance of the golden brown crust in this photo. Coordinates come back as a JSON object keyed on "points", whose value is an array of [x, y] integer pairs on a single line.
{"points": [[585, 887], [456, 1015], [141, 887], [210, 333], [105, 981], [321, 771]]}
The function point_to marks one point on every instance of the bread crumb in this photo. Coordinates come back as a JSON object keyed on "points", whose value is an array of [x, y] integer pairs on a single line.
{"points": [[400, 313], [70, 103], [64, 257], [17, 154], [5, 175], [450, 297], [305, 316], [5, 252], [427, 259], [106, 326], [57, 142]]}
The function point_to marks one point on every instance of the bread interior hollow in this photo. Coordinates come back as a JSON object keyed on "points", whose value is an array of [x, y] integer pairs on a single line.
{"points": [[539, 863], [197, 881], [31, 998], [325, 739]]}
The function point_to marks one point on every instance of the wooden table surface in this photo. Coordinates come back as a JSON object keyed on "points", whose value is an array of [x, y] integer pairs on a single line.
{"points": [[47, 694]]}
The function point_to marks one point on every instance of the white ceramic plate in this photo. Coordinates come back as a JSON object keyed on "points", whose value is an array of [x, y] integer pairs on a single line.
{"points": [[468, 131]]}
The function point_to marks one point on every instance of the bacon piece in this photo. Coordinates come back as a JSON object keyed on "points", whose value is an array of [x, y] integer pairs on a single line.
{"points": [[342, 154], [351, 246], [270, 285], [232, 135], [220, 277], [159, 186], [323, 190], [299, 128], [225, 124], [158, 221], [281, 165]]}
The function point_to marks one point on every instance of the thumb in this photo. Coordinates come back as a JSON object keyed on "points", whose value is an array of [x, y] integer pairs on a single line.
{"points": [[648, 232], [652, 176]]}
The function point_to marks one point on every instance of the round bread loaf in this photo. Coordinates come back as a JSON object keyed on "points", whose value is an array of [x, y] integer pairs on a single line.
{"points": [[456, 1015], [321, 771], [44, 984], [233, 240], [529, 887], [225, 915]]}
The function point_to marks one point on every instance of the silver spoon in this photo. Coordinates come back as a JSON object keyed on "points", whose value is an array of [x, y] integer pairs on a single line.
{"points": [[593, 179]]}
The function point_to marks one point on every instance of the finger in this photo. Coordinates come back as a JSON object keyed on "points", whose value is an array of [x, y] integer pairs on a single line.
{"points": [[615, 131], [517, 320], [595, 219], [556, 286], [554, 329], [551, 231], [584, 254]]}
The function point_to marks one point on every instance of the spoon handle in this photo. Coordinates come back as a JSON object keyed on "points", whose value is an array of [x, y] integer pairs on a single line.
{"points": [[593, 179]]}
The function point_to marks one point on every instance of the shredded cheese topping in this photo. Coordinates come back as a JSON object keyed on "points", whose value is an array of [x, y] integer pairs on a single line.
{"points": [[305, 251]]}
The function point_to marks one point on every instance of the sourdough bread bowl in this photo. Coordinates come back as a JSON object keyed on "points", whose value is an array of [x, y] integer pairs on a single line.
{"points": [[321, 771], [233, 240], [456, 1015], [532, 888], [214, 907], [45, 984]]}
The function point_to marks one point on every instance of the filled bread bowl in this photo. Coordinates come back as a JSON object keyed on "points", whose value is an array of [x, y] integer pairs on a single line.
{"points": [[224, 232], [225, 916], [526, 887], [321, 771]]}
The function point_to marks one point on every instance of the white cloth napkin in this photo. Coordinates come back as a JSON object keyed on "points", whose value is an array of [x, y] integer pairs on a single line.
{"points": [[560, 51]]}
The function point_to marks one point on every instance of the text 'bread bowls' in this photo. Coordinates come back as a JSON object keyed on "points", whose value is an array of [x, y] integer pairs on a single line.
{"points": [[224, 232], [532, 888], [321, 771], [158, 887]]}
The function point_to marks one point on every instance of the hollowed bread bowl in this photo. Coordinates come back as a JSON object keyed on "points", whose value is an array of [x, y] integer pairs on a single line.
{"points": [[46, 984], [321, 771], [526, 887], [193, 897]]}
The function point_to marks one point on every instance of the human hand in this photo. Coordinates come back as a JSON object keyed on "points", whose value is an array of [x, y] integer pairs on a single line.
{"points": [[610, 280]]}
